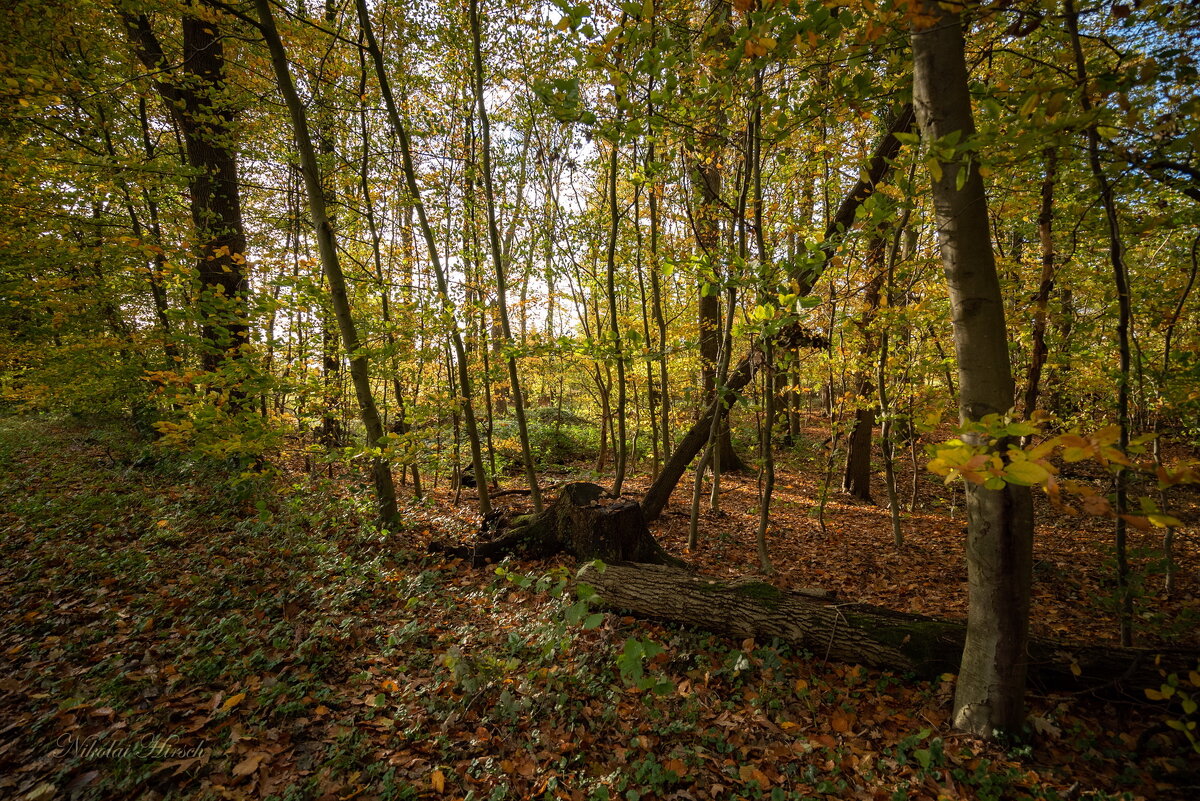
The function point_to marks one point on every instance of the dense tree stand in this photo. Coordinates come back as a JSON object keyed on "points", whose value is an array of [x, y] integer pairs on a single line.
{"points": [[863, 634], [580, 522]]}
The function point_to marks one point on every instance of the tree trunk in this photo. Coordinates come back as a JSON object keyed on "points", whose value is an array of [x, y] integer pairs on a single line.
{"points": [[410, 181], [1041, 302], [578, 522], [989, 697], [862, 634], [360, 377], [696, 438], [205, 120], [498, 258], [856, 477], [1124, 324]]}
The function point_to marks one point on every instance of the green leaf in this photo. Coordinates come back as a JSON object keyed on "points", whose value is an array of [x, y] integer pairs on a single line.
{"points": [[593, 620]]}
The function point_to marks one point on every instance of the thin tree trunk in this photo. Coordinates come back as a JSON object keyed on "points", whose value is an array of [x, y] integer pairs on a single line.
{"points": [[1041, 301], [410, 178], [385, 490], [1169, 535], [694, 439], [856, 478], [535, 494], [621, 448], [1124, 320]]}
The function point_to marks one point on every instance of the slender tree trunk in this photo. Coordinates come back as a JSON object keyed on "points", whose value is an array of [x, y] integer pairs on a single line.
{"points": [[856, 478], [1124, 321], [1041, 302], [989, 697], [620, 445], [414, 191], [385, 490], [767, 453], [695, 438], [535, 494], [652, 394], [1168, 541]]}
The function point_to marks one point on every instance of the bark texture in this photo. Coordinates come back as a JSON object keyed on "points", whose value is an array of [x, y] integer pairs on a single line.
{"points": [[579, 522], [989, 696], [863, 634]]}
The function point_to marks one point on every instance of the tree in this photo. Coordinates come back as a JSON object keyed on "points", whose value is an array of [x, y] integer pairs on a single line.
{"points": [[360, 374], [498, 256], [989, 695], [197, 97]]}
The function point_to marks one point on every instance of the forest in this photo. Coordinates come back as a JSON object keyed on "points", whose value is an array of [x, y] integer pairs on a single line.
{"points": [[661, 399]]}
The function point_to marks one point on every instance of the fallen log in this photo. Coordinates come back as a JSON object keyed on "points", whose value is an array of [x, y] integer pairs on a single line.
{"points": [[863, 634], [581, 522]]}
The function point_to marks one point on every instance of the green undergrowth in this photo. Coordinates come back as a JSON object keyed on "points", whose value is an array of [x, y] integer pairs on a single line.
{"points": [[169, 633]]}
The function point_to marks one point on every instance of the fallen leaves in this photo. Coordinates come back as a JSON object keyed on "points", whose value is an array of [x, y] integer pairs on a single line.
{"points": [[299, 671]]}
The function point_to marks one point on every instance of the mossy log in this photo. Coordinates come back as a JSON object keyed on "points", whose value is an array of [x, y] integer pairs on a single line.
{"points": [[862, 634], [581, 522]]}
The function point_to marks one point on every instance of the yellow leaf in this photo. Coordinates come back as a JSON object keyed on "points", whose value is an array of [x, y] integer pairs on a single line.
{"points": [[1076, 670], [438, 780], [935, 169], [1073, 454], [1025, 473], [1030, 105], [232, 701]]}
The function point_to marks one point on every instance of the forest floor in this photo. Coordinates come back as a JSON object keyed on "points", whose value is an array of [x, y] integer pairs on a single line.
{"points": [[165, 634]]}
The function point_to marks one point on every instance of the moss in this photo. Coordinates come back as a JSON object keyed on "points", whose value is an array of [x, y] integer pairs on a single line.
{"points": [[522, 521], [924, 642], [759, 591]]}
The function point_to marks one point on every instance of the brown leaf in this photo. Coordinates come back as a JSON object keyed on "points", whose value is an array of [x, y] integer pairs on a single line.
{"points": [[249, 764]]}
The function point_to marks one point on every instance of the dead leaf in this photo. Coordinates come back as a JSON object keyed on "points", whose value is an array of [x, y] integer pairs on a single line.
{"points": [[43, 792], [232, 701], [249, 764]]}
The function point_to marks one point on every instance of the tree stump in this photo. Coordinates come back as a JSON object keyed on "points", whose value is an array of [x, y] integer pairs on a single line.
{"points": [[579, 522]]}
